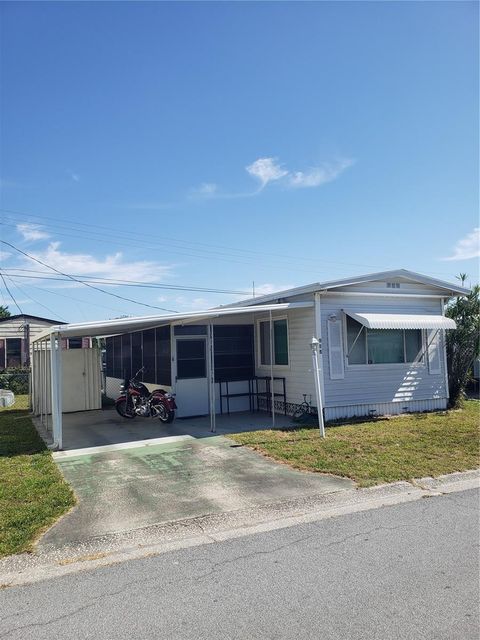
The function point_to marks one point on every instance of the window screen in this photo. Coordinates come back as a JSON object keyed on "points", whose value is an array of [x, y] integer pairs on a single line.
{"points": [[137, 359], [413, 345], [109, 357], [191, 361], [126, 357], [385, 346], [356, 346], [164, 364], [117, 357], [149, 356], [234, 352]]}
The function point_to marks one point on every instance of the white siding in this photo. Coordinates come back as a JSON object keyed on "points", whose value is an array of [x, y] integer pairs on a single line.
{"points": [[14, 328], [373, 384], [383, 409], [298, 375], [380, 286]]}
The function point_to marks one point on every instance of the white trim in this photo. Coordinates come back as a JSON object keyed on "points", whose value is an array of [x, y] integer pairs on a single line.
{"points": [[258, 350], [433, 351], [373, 294], [444, 340]]}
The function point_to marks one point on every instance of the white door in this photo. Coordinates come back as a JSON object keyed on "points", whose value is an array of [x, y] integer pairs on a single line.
{"points": [[191, 382]]}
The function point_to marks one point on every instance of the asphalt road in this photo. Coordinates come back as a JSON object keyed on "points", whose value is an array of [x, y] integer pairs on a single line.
{"points": [[405, 572]]}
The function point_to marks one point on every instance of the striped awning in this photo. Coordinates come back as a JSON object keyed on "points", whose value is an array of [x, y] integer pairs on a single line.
{"points": [[402, 321]]}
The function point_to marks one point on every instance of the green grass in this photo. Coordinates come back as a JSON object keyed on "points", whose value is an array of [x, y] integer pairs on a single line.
{"points": [[22, 401], [33, 493], [382, 450]]}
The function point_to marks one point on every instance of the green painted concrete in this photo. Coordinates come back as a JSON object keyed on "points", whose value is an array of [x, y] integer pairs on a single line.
{"points": [[133, 488]]}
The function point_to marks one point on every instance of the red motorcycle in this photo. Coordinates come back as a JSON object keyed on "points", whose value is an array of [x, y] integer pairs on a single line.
{"points": [[136, 400]]}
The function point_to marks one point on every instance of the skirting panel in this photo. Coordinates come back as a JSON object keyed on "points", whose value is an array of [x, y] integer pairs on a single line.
{"points": [[384, 408]]}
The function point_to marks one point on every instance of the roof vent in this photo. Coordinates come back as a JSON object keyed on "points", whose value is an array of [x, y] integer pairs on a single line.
{"points": [[393, 285]]}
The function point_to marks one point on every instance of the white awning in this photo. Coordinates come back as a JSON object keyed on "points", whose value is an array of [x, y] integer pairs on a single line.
{"points": [[107, 328], [402, 321]]}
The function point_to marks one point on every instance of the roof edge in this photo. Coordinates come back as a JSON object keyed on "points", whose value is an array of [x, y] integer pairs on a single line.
{"points": [[344, 282]]}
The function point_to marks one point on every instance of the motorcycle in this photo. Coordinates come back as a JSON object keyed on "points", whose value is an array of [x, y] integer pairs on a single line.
{"points": [[136, 400]]}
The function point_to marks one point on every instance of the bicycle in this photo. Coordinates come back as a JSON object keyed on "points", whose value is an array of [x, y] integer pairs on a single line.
{"points": [[304, 413]]}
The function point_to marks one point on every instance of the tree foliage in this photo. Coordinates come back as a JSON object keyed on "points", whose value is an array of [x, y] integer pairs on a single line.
{"points": [[4, 312], [463, 343]]}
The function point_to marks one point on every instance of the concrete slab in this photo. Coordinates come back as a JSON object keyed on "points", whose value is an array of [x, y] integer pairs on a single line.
{"points": [[128, 489], [105, 427]]}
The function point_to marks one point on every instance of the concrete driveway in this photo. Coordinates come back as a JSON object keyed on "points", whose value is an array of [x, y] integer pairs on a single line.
{"points": [[178, 478]]}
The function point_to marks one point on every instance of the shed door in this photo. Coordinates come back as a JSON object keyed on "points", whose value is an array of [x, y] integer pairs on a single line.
{"points": [[191, 383]]}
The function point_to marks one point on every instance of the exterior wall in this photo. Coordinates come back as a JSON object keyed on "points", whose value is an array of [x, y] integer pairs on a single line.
{"points": [[391, 385], [298, 374], [81, 381], [14, 328]]}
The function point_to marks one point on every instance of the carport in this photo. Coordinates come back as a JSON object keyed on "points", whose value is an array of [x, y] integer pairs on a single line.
{"points": [[49, 380]]}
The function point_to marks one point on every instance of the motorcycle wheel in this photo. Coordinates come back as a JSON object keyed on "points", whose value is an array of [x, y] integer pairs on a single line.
{"points": [[161, 412], [124, 411]]}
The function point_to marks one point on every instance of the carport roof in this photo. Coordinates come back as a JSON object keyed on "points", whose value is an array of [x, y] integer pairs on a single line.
{"points": [[105, 328]]}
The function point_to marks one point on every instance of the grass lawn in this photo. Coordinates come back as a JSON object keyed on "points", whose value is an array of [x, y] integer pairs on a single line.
{"points": [[33, 494], [382, 450]]}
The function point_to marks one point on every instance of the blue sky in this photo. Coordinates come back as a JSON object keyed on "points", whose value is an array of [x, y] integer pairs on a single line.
{"points": [[211, 145]]}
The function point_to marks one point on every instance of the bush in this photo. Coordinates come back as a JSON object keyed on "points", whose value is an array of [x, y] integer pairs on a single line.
{"points": [[16, 380]]}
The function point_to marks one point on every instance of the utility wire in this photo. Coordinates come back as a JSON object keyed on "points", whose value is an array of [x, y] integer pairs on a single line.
{"points": [[115, 295], [62, 295], [121, 282], [10, 293], [31, 298], [253, 254], [226, 251]]}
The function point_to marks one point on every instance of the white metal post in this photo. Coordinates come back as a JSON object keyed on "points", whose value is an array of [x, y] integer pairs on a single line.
{"points": [[55, 377], [211, 378], [272, 391], [315, 344]]}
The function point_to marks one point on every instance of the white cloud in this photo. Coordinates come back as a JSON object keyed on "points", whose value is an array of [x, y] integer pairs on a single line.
{"points": [[113, 266], [316, 176], [32, 232], [265, 289], [193, 304], [266, 170], [468, 247], [207, 189], [74, 176]]}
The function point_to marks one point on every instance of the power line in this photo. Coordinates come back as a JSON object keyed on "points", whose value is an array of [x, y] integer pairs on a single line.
{"points": [[109, 293], [31, 298], [121, 282], [252, 254], [10, 293], [62, 295]]}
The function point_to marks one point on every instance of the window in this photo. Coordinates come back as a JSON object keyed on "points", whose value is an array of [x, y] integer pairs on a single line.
{"points": [[382, 346], [280, 342], [14, 352]]}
